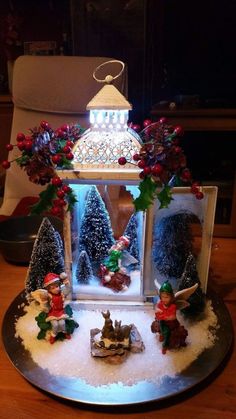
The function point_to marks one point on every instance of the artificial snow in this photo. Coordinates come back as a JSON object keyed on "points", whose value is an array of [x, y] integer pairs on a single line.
{"points": [[72, 358]]}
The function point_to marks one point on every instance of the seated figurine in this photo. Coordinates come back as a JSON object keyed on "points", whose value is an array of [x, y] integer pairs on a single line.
{"points": [[55, 316], [171, 333], [113, 274]]}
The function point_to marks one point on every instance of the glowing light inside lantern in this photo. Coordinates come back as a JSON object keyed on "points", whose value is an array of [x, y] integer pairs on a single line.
{"points": [[109, 119]]}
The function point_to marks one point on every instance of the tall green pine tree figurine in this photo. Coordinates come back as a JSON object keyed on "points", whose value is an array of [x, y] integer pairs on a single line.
{"points": [[172, 243], [84, 269], [96, 236], [131, 232], [47, 256], [187, 280]]}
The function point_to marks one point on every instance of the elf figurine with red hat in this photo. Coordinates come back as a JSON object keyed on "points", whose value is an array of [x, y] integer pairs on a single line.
{"points": [[56, 316], [113, 274]]}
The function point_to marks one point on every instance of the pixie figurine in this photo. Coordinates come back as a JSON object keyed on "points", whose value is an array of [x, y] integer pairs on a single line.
{"points": [[171, 333], [54, 312], [113, 273]]}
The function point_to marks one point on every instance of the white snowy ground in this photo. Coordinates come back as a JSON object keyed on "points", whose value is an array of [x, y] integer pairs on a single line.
{"points": [[96, 289], [71, 358]]}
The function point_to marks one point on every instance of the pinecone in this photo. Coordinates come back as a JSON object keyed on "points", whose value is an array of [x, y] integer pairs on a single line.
{"points": [[39, 171]]}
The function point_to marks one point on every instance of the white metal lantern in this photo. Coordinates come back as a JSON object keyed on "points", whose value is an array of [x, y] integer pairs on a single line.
{"points": [[108, 137]]}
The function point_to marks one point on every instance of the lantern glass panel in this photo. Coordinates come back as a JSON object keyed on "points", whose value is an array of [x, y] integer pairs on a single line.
{"points": [[103, 213]]}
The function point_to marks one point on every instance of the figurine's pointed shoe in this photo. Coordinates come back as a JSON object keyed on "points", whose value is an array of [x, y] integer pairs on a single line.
{"points": [[67, 336], [52, 339], [164, 351]]}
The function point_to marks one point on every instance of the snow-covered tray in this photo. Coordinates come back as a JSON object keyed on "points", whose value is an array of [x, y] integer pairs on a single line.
{"points": [[134, 384]]}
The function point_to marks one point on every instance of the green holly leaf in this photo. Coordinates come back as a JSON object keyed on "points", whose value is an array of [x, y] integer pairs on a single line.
{"points": [[71, 199], [41, 334], [147, 195], [71, 325], [65, 163], [41, 317], [45, 200], [23, 159], [68, 310], [165, 196]]}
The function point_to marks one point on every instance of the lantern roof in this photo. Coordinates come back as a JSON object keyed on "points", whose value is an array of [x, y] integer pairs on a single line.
{"points": [[109, 98]]}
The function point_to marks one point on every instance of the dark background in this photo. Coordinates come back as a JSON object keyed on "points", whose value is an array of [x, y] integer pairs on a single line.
{"points": [[176, 50]]}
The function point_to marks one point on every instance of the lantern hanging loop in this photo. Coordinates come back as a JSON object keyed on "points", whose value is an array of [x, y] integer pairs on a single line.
{"points": [[109, 78]]}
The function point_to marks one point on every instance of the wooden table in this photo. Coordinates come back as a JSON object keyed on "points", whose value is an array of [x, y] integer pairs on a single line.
{"points": [[214, 399]]}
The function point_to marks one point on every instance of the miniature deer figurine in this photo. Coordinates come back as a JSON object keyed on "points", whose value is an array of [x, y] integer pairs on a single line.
{"points": [[108, 329], [122, 332]]}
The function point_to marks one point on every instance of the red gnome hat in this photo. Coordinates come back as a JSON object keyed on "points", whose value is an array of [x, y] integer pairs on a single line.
{"points": [[50, 278], [125, 240]]}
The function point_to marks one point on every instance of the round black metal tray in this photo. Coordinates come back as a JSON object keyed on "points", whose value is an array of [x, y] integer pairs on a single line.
{"points": [[117, 393]]}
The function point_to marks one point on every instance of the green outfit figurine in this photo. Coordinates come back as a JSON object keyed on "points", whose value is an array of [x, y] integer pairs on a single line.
{"points": [[112, 262], [113, 274]]}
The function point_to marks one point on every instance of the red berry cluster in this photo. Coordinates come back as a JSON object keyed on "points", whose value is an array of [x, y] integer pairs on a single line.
{"points": [[62, 192], [161, 157], [42, 152]]}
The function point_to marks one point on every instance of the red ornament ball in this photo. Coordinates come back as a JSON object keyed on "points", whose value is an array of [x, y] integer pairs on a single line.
{"points": [[56, 181], [136, 127], [45, 125], [66, 149], [186, 175], [60, 133], [69, 156], [65, 127], [142, 164], [66, 189], [157, 169], [178, 130], [21, 145], [136, 157], [147, 122], [6, 164], [142, 175], [195, 188], [69, 143], [199, 195], [59, 202], [60, 193], [28, 144], [147, 170], [20, 136], [122, 161], [56, 158], [56, 210], [163, 120], [9, 147]]}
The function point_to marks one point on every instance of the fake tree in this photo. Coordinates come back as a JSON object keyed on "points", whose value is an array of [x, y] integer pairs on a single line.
{"points": [[131, 231], [84, 269], [47, 256], [96, 236], [172, 243], [188, 279]]}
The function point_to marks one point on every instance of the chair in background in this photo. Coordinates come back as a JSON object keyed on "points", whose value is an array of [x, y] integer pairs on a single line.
{"points": [[56, 89]]}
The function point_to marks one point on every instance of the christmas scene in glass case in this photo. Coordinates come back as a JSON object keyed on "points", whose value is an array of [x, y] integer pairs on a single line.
{"points": [[107, 242]]}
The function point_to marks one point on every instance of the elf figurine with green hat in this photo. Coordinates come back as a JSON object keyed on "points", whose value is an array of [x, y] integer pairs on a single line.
{"points": [[171, 333]]}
